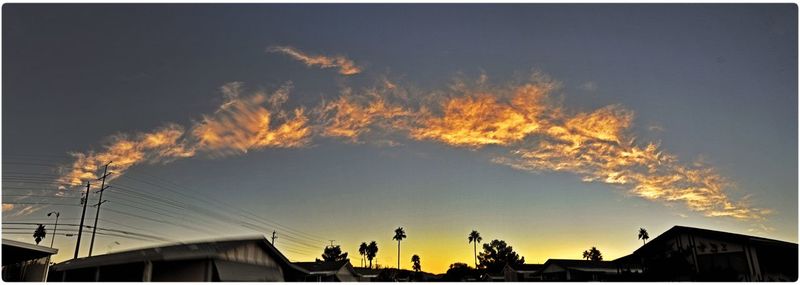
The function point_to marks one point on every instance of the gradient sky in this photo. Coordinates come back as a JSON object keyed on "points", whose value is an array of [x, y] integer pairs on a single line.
{"points": [[710, 83]]}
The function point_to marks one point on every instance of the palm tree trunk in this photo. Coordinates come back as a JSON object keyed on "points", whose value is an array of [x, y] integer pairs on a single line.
{"points": [[475, 253], [398, 255]]}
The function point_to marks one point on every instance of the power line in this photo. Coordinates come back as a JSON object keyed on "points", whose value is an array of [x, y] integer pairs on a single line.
{"points": [[199, 210], [46, 221], [242, 212], [98, 228], [156, 220], [38, 196], [292, 235], [38, 203], [71, 235], [172, 203]]}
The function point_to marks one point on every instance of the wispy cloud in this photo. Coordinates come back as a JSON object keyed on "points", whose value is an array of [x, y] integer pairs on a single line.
{"points": [[13, 211], [542, 135], [240, 124], [345, 65], [353, 115], [538, 133], [162, 145], [474, 118], [254, 122]]}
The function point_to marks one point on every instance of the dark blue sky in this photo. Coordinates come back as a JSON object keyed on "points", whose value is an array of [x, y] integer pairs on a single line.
{"points": [[717, 82]]}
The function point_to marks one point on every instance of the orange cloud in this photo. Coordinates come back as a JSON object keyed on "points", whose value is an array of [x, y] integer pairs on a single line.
{"points": [[243, 124], [483, 118], [345, 65], [237, 126], [595, 145], [162, 145], [540, 134], [351, 116]]}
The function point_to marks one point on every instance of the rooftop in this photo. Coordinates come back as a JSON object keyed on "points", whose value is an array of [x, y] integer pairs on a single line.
{"points": [[194, 250], [15, 251], [583, 265], [719, 235], [322, 266], [526, 267]]}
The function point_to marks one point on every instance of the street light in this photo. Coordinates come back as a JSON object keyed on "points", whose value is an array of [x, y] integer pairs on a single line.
{"points": [[55, 228]]}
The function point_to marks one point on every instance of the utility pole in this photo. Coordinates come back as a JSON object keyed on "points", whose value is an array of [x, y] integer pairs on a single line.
{"points": [[55, 228], [99, 202], [84, 201], [273, 238]]}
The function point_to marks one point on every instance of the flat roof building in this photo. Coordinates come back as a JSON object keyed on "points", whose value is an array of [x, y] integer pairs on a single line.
{"points": [[246, 259]]}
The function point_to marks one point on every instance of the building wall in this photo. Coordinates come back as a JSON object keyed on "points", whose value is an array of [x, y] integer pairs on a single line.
{"points": [[345, 275], [232, 271], [718, 259], [34, 270], [131, 272], [509, 274], [182, 270]]}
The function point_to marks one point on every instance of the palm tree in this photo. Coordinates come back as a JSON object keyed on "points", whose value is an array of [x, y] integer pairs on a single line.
{"points": [[362, 250], [416, 264], [372, 250], [399, 235], [593, 254], [474, 239], [643, 235], [39, 233]]}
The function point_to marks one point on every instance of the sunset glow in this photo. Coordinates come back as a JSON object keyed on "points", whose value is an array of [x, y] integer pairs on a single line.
{"points": [[542, 126]]}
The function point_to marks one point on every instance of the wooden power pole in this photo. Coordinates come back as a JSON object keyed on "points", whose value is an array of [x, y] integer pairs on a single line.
{"points": [[100, 201], [84, 201]]}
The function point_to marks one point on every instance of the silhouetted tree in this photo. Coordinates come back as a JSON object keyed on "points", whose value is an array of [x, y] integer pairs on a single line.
{"points": [[416, 263], [458, 272], [333, 253], [39, 233], [496, 255], [475, 238], [593, 254], [643, 235], [362, 250], [399, 235], [372, 251]]}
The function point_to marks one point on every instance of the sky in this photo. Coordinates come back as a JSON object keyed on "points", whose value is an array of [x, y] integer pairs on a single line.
{"points": [[553, 127]]}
